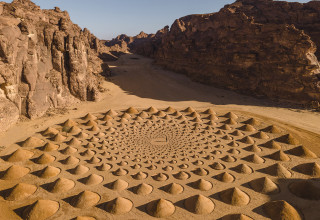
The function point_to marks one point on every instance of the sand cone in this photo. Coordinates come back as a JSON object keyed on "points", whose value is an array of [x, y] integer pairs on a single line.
{"points": [[92, 179], [202, 185], [61, 185], [277, 170], [20, 191], [243, 169], [85, 199], [264, 185], [119, 185], [41, 210], [119, 206], [199, 204], [281, 210], [79, 170], [44, 159], [236, 217], [173, 189], [302, 151], [14, 172], [49, 172], [234, 196], [160, 208], [143, 189], [225, 177], [19, 155]]}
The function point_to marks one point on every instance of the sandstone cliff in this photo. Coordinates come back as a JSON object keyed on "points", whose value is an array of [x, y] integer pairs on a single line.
{"points": [[259, 47], [46, 61]]}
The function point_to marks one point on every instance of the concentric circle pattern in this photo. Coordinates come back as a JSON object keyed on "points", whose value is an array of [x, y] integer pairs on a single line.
{"points": [[168, 163]]}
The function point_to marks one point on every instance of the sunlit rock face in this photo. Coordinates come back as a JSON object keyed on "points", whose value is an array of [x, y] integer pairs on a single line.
{"points": [[46, 61], [261, 48]]}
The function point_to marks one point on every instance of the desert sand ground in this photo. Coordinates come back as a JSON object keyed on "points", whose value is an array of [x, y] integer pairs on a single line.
{"points": [[194, 160]]}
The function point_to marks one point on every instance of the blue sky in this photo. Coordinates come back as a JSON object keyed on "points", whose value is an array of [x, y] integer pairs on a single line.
{"points": [[109, 18]]}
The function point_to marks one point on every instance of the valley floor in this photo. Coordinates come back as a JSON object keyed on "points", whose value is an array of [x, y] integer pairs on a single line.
{"points": [[137, 82]]}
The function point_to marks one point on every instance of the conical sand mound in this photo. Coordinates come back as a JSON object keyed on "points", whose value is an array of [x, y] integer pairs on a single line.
{"points": [[288, 139], [112, 113], [44, 159], [243, 168], [277, 170], [20, 191], [218, 166], [280, 156], [254, 158], [32, 142], [132, 110], [225, 177], [302, 151], [231, 115], [61, 185], [79, 170], [281, 210], [210, 111], [272, 129], [89, 117], [92, 179], [248, 128], [48, 172], [71, 160], [58, 138], [69, 123], [272, 145], [50, 132], [261, 135], [140, 176], [170, 110], [41, 210], [19, 155], [229, 159], [199, 204], [253, 148], [143, 189], [247, 140], [236, 217], [305, 189], [311, 169], [202, 185], [234, 196], [120, 172], [264, 185], [182, 175], [119, 206], [160, 177], [48, 147], [252, 121], [160, 208], [201, 172], [74, 130], [85, 199], [189, 110], [104, 167], [173, 189], [14, 172], [119, 185]]}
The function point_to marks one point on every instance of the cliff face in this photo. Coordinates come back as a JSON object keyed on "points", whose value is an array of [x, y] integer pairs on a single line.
{"points": [[258, 47], [46, 61]]}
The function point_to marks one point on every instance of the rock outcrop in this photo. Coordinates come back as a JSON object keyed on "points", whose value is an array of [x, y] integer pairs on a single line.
{"points": [[258, 47], [46, 61]]}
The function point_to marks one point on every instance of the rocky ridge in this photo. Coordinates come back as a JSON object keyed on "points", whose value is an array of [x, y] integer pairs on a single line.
{"points": [[261, 48], [46, 61]]}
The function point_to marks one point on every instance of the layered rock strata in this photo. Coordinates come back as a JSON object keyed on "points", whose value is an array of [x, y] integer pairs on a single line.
{"points": [[46, 61], [261, 48]]}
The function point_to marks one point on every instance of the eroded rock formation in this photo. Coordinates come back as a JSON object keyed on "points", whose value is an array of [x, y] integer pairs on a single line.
{"points": [[259, 47], [46, 61]]}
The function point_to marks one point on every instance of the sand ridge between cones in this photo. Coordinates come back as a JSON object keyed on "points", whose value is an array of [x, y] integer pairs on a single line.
{"points": [[164, 163]]}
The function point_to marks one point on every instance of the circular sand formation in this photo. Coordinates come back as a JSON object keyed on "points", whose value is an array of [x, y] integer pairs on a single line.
{"points": [[161, 163]]}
